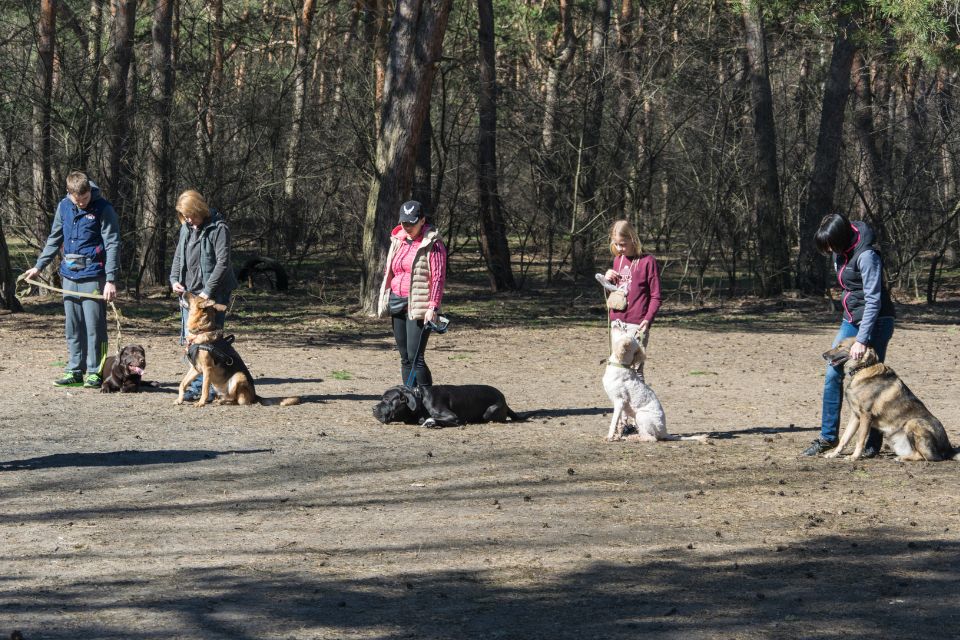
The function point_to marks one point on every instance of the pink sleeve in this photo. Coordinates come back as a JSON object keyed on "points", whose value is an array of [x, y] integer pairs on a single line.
{"points": [[653, 277], [438, 273]]}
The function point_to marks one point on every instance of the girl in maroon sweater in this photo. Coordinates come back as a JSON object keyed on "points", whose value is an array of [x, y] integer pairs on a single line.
{"points": [[638, 275]]}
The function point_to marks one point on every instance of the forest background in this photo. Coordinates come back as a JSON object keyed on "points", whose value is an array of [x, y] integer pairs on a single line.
{"points": [[723, 130]]}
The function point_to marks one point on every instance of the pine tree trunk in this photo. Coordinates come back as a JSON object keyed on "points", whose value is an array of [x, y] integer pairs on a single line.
{"points": [[585, 204], [376, 32], [87, 145], [811, 266], [548, 165], [423, 170], [493, 232], [42, 180], [774, 256], [8, 279], [415, 43], [118, 180], [293, 209], [158, 170], [872, 188]]}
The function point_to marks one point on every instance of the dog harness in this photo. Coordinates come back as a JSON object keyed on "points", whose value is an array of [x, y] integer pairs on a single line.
{"points": [[223, 354]]}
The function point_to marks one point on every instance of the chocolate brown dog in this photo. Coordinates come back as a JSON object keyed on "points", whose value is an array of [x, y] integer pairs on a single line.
{"points": [[123, 372], [213, 355], [878, 398]]}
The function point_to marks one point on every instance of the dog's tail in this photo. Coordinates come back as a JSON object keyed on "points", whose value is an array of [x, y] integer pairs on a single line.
{"points": [[701, 437], [283, 402], [520, 417]]}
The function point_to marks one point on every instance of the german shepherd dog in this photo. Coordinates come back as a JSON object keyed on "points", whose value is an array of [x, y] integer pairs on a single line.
{"points": [[213, 355], [878, 398]]}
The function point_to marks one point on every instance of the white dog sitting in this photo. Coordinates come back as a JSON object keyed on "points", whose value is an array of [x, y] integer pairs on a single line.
{"points": [[632, 399]]}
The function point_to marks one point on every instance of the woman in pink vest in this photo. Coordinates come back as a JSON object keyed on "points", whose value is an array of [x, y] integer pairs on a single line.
{"points": [[413, 288]]}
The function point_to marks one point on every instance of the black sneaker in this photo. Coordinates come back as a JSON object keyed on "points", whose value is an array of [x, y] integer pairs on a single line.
{"points": [[92, 381], [70, 379], [818, 446]]}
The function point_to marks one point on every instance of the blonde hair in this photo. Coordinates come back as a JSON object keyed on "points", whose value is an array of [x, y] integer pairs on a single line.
{"points": [[623, 228], [78, 183], [191, 203]]}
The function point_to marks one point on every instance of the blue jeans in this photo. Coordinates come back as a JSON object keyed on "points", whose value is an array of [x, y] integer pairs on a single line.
{"points": [[833, 384]]}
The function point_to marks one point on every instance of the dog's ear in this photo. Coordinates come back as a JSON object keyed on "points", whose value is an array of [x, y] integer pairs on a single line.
{"points": [[220, 307], [410, 397]]}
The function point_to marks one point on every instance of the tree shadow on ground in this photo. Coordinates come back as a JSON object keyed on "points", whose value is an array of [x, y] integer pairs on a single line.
{"points": [[567, 413], [120, 458], [260, 381], [877, 586], [731, 434]]}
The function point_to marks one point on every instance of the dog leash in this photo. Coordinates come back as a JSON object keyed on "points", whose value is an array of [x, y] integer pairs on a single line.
{"points": [[77, 294], [440, 327]]}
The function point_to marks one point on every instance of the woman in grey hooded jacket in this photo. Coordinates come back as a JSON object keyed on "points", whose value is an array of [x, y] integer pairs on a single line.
{"points": [[201, 261]]}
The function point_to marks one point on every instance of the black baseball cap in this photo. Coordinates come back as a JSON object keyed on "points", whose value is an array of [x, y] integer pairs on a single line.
{"points": [[410, 212]]}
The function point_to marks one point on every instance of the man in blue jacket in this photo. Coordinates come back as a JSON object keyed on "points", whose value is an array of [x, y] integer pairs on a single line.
{"points": [[86, 233]]}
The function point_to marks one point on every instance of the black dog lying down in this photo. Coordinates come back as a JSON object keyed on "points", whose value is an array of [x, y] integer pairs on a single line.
{"points": [[123, 372], [443, 405]]}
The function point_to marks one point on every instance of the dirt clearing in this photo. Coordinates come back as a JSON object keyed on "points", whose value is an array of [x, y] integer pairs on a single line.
{"points": [[124, 516]]}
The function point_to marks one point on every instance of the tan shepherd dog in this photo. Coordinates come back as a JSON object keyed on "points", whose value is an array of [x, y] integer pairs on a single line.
{"points": [[878, 398], [214, 356]]}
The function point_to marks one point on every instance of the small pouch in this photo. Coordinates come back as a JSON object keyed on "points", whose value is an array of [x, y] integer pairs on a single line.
{"points": [[617, 300], [75, 261], [397, 304]]}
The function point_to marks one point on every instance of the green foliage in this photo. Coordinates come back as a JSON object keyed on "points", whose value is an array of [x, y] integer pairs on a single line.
{"points": [[922, 29]]}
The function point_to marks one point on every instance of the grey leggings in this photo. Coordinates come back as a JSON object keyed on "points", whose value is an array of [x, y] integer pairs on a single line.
{"points": [[86, 326]]}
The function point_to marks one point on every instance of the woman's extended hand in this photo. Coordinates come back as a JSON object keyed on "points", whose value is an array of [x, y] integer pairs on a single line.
{"points": [[179, 288], [857, 350], [429, 316]]}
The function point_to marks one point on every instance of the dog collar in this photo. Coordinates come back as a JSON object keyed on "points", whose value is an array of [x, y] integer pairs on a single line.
{"points": [[617, 364], [854, 371]]}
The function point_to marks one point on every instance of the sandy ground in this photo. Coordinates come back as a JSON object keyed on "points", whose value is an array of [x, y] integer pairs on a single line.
{"points": [[124, 516]]}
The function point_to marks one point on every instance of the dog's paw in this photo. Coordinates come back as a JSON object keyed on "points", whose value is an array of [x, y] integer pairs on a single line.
{"points": [[832, 454], [178, 400], [613, 439], [430, 423]]}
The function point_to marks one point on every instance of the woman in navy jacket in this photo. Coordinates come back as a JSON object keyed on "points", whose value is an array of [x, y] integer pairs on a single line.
{"points": [[868, 314]]}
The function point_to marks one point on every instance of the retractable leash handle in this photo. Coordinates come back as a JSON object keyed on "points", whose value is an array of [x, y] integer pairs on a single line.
{"points": [[440, 325]]}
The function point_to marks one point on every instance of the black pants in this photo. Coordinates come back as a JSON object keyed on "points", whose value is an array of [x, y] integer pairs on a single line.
{"points": [[411, 343]]}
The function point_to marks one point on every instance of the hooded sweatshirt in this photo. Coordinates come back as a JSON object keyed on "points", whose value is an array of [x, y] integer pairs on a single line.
{"points": [[860, 275]]}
